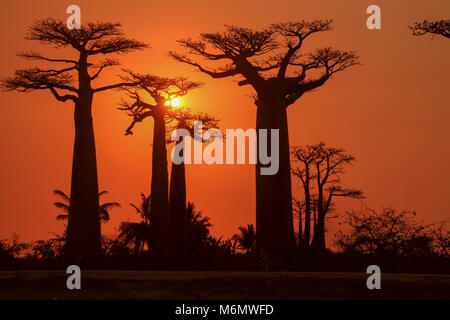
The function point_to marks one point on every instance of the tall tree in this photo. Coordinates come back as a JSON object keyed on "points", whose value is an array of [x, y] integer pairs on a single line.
{"points": [[73, 83], [64, 205], [158, 92], [299, 210], [272, 63], [439, 27], [326, 168], [306, 156], [184, 120]]}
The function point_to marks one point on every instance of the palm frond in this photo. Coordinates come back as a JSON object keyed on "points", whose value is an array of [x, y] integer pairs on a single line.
{"points": [[62, 206], [62, 217], [61, 194], [110, 205], [104, 215], [101, 193]]}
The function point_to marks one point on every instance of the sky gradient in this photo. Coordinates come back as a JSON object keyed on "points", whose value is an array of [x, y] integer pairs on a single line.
{"points": [[392, 112]]}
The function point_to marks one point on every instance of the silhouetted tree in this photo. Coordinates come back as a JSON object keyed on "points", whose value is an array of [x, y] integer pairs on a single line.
{"points": [[65, 206], [270, 60], [306, 156], [388, 232], [160, 91], [184, 120], [299, 210], [325, 165], [138, 233], [440, 27], [440, 234], [10, 251], [92, 40], [246, 239], [197, 230]]}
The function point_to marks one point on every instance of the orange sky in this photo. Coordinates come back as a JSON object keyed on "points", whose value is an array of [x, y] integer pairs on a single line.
{"points": [[392, 112]]}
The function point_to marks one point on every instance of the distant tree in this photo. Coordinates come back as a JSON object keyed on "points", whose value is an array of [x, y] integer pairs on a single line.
{"points": [[49, 252], [152, 98], [325, 165], [138, 233], [440, 234], [440, 27], [388, 232], [304, 172], [299, 211], [246, 239], [91, 40], [65, 206], [184, 119], [11, 251], [271, 61]]}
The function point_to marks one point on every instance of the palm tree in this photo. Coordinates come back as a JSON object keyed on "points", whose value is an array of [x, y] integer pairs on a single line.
{"points": [[247, 239], [65, 206], [138, 233], [197, 228]]}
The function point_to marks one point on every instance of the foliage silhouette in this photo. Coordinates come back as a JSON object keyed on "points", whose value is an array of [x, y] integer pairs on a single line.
{"points": [[138, 233], [246, 239], [440, 27]]}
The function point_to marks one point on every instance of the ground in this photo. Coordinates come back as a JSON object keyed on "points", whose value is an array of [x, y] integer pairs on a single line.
{"points": [[171, 285]]}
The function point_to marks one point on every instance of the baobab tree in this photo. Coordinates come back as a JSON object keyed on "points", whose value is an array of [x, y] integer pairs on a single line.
{"points": [[321, 167], [184, 121], [152, 98], [439, 27], [306, 156], [271, 61], [73, 82]]}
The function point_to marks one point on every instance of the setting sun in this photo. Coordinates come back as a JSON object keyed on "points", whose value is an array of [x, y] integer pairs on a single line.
{"points": [[175, 102]]}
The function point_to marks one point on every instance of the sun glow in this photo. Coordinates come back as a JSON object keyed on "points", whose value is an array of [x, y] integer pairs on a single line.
{"points": [[175, 102]]}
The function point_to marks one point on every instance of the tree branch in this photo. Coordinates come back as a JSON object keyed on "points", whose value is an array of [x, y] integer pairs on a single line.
{"points": [[63, 98]]}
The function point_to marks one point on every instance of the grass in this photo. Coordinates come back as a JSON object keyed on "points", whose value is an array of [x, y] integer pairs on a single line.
{"points": [[172, 285]]}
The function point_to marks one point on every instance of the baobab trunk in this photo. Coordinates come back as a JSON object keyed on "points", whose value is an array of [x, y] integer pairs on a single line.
{"points": [[307, 236], [159, 190], [83, 231], [177, 214], [274, 221]]}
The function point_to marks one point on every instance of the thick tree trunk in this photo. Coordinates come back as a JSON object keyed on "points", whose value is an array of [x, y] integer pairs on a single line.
{"points": [[84, 242], [274, 221], [159, 191], [177, 214], [83, 232]]}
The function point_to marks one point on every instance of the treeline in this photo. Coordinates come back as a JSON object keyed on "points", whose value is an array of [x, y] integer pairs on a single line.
{"points": [[395, 240]]}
